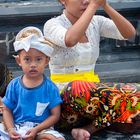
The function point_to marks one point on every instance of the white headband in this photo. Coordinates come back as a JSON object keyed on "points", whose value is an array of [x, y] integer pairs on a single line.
{"points": [[33, 41]]}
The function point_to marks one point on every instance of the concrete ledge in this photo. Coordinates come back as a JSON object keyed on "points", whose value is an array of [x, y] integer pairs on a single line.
{"points": [[40, 8], [15, 9]]}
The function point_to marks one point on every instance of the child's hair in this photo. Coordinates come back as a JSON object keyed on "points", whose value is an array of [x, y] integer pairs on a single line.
{"points": [[27, 32]]}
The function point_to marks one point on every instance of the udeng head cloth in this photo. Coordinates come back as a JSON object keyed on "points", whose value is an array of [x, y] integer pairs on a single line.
{"points": [[31, 37]]}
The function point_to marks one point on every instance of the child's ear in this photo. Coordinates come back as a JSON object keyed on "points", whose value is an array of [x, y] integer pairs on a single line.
{"points": [[47, 61], [17, 59]]}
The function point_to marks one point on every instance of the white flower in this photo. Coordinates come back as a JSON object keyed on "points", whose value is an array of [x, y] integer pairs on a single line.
{"points": [[72, 118], [90, 108]]}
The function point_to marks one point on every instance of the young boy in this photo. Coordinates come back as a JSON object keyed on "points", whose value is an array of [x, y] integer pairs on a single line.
{"points": [[32, 101]]}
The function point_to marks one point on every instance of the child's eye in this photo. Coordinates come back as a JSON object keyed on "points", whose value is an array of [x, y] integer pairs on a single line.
{"points": [[26, 59], [39, 59]]}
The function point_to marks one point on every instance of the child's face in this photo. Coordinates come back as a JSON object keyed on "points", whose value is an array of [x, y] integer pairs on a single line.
{"points": [[75, 8], [33, 62]]}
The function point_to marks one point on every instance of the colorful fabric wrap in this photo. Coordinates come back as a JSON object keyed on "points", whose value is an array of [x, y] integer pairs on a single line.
{"points": [[100, 104]]}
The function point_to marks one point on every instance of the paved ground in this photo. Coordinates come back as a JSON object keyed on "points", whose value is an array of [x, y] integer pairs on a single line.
{"points": [[110, 135]]}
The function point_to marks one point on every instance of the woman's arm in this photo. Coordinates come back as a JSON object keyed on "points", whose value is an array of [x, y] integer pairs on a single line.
{"points": [[77, 30], [124, 26]]}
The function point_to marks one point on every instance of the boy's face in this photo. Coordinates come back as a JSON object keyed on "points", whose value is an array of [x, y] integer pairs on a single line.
{"points": [[33, 62]]}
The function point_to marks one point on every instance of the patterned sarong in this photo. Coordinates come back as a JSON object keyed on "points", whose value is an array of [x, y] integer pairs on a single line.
{"points": [[101, 103]]}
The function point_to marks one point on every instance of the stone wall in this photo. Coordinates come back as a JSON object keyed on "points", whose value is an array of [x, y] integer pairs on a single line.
{"points": [[6, 40]]}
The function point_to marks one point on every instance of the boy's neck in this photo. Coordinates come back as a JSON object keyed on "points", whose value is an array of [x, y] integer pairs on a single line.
{"points": [[32, 82]]}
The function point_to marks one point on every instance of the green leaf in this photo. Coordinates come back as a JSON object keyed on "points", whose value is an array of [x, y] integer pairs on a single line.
{"points": [[81, 101]]}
